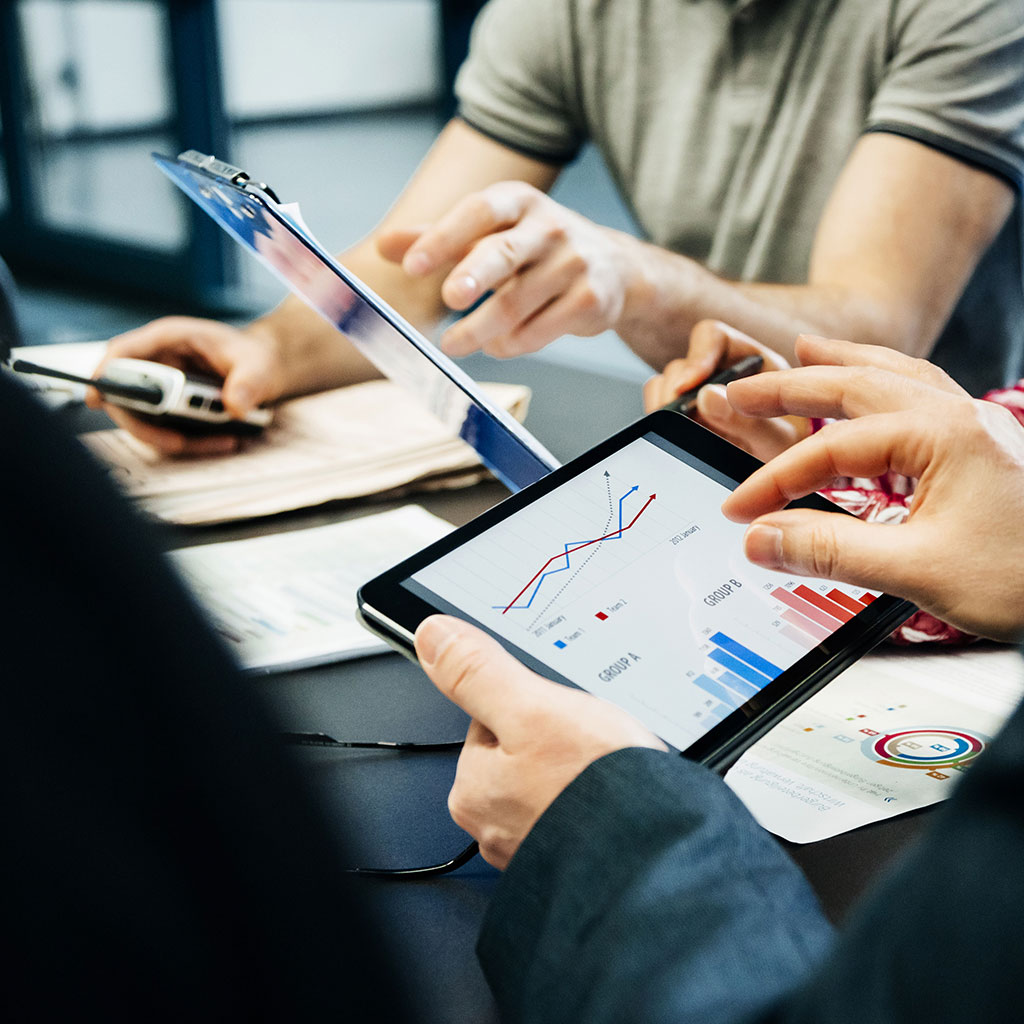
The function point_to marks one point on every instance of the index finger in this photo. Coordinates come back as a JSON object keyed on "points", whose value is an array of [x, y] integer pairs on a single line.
{"points": [[900, 441], [471, 219], [812, 350], [841, 392]]}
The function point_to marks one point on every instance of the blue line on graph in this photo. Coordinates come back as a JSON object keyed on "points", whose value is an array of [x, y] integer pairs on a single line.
{"points": [[763, 665], [759, 679], [614, 535]]}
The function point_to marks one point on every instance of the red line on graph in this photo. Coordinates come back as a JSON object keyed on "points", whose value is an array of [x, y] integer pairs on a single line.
{"points": [[563, 554]]}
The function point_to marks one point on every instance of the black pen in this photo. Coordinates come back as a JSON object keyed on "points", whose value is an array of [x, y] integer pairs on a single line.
{"points": [[687, 401]]}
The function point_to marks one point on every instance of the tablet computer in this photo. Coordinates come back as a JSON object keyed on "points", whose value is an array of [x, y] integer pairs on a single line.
{"points": [[618, 574], [276, 235]]}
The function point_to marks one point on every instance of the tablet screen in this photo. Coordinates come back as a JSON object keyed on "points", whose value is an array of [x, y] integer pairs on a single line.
{"points": [[627, 581]]}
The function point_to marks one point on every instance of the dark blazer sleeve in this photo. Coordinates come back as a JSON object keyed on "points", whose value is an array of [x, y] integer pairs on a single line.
{"points": [[940, 938], [647, 892]]}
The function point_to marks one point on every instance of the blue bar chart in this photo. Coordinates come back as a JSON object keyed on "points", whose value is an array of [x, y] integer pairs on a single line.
{"points": [[740, 674]]}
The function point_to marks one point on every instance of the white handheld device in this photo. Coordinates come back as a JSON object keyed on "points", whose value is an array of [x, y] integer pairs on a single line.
{"points": [[164, 394]]}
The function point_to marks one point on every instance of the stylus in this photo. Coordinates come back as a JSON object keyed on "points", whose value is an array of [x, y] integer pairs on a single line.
{"points": [[687, 401], [154, 395]]}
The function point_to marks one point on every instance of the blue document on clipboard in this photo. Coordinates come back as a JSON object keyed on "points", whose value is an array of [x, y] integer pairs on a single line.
{"points": [[250, 212]]}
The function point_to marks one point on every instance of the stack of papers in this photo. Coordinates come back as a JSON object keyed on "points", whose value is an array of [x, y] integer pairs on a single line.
{"points": [[288, 600], [365, 439]]}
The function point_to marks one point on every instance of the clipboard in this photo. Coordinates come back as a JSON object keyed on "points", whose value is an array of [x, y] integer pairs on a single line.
{"points": [[275, 234]]}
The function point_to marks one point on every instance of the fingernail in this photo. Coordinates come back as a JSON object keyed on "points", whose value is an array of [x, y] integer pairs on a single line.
{"points": [[466, 287], [763, 546], [712, 397], [433, 636], [417, 263]]}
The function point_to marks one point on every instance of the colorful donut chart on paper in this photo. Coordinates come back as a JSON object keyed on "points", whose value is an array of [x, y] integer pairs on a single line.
{"points": [[925, 749]]}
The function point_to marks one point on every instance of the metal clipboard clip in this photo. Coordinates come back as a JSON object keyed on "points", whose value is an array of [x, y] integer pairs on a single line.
{"points": [[223, 171]]}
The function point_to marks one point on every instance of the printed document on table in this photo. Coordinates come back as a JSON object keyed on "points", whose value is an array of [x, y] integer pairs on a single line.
{"points": [[288, 600], [891, 734], [347, 443]]}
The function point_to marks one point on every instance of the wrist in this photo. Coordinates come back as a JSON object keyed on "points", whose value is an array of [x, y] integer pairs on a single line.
{"points": [[298, 352], [658, 307]]}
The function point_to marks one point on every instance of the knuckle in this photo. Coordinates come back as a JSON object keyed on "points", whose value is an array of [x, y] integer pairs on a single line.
{"points": [[556, 230], [587, 300], [867, 376], [576, 264], [525, 192], [508, 305], [506, 250], [824, 561]]}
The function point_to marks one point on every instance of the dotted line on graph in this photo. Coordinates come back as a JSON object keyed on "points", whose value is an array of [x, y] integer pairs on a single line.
{"points": [[579, 568]]}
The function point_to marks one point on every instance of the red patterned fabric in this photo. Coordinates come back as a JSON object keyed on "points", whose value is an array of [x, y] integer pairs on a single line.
{"points": [[887, 499]]}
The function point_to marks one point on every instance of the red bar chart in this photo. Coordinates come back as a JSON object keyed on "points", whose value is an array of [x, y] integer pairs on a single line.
{"points": [[816, 615]]}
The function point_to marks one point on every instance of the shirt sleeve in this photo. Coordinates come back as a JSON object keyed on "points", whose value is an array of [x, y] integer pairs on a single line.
{"points": [[954, 80], [516, 85]]}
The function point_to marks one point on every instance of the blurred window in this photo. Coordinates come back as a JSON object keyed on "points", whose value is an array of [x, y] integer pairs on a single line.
{"points": [[100, 100]]}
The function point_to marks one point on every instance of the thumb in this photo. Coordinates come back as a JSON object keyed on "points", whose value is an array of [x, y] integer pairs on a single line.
{"points": [[833, 546], [709, 343], [249, 382], [475, 672]]}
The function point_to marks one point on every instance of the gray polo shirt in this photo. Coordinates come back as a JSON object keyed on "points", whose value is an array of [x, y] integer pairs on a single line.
{"points": [[725, 123]]}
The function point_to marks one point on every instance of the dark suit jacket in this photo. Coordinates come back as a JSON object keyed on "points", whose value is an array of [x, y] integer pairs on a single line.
{"points": [[648, 893], [161, 859]]}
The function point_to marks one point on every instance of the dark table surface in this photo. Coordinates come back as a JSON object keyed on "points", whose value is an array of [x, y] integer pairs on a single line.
{"points": [[394, 803]]}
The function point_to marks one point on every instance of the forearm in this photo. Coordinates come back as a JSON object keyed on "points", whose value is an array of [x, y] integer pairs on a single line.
{"points": [[670, 294]]}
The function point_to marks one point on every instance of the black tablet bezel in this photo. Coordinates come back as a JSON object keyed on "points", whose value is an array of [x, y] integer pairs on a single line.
{"points": [[393, 613]]}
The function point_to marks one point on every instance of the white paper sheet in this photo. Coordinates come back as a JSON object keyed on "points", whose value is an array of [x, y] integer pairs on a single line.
{"points": [[893, 733], [289, 599]]}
